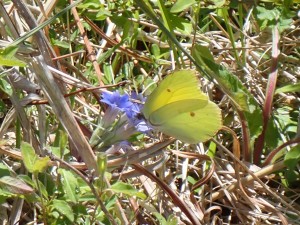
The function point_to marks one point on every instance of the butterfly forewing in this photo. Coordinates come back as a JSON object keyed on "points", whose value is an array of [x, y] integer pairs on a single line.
{"points": [[180, 85]]}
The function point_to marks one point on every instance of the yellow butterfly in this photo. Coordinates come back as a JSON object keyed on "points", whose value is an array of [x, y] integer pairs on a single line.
{"points": [[179, 109]]}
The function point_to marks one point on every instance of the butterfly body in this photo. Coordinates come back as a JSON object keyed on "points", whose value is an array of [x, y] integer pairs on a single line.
{"points": [[179, 109]]}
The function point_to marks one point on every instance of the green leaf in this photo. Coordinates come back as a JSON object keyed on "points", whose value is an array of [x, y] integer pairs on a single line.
{"points": [[49, 183], [272, 136], [101, 163], [101, 159], [5, 87], [211, 151], [3, 110], [270, 17], [27, 179], [287, 119], [32, 162], [63, 208], [127, 189], [172, 220], [63, 141], [174, 22], [70, 185], [216, 4], [62, 44], [15, 186], [181, 5], [292, 177], [102, 14], [4, 194], [182, 25], [57, 151], [42, 189], [4, 170], [284, 23], [292, 157], [263, 13], [90, 4], [289, 88], [110, 204], [7, 57], [29, 156], [41, 164], [10, 51], [40, 185], [160, 218]]}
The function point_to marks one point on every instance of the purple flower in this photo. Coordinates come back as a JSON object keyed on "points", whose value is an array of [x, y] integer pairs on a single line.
{"points": [[116, 101], [123, 103], [135, 109], [135, 116], [130, 105]]}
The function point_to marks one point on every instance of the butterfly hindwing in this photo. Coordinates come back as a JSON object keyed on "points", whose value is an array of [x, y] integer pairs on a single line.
{"points": [[196, 121]]}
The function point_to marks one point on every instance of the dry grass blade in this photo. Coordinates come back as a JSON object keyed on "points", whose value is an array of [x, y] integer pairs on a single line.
{"points": [[63, 111]]}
